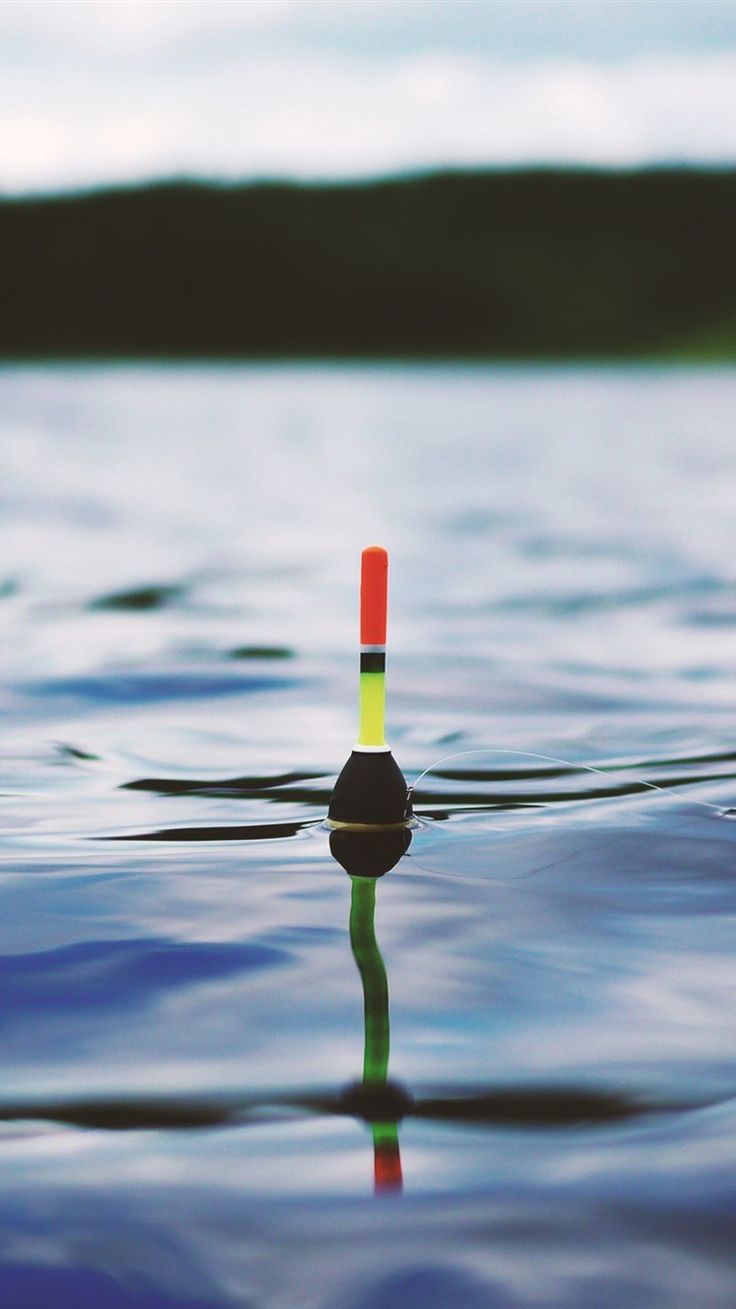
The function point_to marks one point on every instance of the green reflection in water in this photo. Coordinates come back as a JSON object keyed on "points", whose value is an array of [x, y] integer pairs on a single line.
{"points": [[386, 1154]]}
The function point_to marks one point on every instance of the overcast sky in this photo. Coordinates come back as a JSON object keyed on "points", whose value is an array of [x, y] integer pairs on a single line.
{"points": [[119, 90]]}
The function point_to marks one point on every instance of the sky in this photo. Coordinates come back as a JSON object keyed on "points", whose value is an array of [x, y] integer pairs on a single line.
{"points": [[117, 91]]}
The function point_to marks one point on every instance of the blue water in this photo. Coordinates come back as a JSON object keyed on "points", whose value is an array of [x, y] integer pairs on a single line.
{"points": [[183, 1015]]}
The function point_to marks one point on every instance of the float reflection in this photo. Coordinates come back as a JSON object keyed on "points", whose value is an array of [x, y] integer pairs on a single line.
{"points": [[366, 856]]}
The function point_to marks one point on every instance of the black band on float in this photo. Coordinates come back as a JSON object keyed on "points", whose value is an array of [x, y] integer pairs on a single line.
{"points": [[373, 663]]}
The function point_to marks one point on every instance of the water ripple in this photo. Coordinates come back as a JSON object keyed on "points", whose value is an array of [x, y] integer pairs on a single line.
{"points": [[523, 1107]]}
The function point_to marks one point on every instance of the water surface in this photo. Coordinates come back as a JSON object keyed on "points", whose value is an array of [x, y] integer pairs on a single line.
{"points": [[183, 1021]]}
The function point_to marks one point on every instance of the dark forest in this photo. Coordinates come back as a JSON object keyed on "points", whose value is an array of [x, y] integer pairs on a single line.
{"points": [[517, 264]]}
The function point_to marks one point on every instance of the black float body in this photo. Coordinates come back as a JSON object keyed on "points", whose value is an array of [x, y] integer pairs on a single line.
{"points": [[371, 790]]}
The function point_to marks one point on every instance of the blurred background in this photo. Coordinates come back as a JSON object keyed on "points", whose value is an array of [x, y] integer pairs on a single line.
{"points": [[515, 178]]}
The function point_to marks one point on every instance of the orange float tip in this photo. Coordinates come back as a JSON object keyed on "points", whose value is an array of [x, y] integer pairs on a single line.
{"points": [[373, 595]]}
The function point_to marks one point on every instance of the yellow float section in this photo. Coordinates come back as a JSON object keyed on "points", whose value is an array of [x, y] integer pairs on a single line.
{"points": [[372, 709]]}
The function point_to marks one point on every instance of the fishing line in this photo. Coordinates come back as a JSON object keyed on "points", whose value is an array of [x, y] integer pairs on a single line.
{"points": [[569, 763]]}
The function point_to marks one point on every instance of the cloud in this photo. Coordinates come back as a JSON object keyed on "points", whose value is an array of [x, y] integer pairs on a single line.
{"points": [[117, 92]]}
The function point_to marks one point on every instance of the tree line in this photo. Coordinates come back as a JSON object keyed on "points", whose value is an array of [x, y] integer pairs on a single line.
{"points": [[521, 263]]}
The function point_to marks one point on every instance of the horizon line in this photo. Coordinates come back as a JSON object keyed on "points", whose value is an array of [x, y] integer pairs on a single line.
{"points": [[362, 180]]}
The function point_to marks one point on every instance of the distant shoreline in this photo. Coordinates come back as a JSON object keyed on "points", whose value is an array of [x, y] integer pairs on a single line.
{"points": [[682, 358], [524, 265]]}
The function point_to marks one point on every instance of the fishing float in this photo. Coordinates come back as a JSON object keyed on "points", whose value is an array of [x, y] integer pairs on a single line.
{"points": [[371, 793], [369, 817]]}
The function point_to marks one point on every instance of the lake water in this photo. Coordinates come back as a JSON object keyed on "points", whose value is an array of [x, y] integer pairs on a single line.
{"points": [[183, 1016]]}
